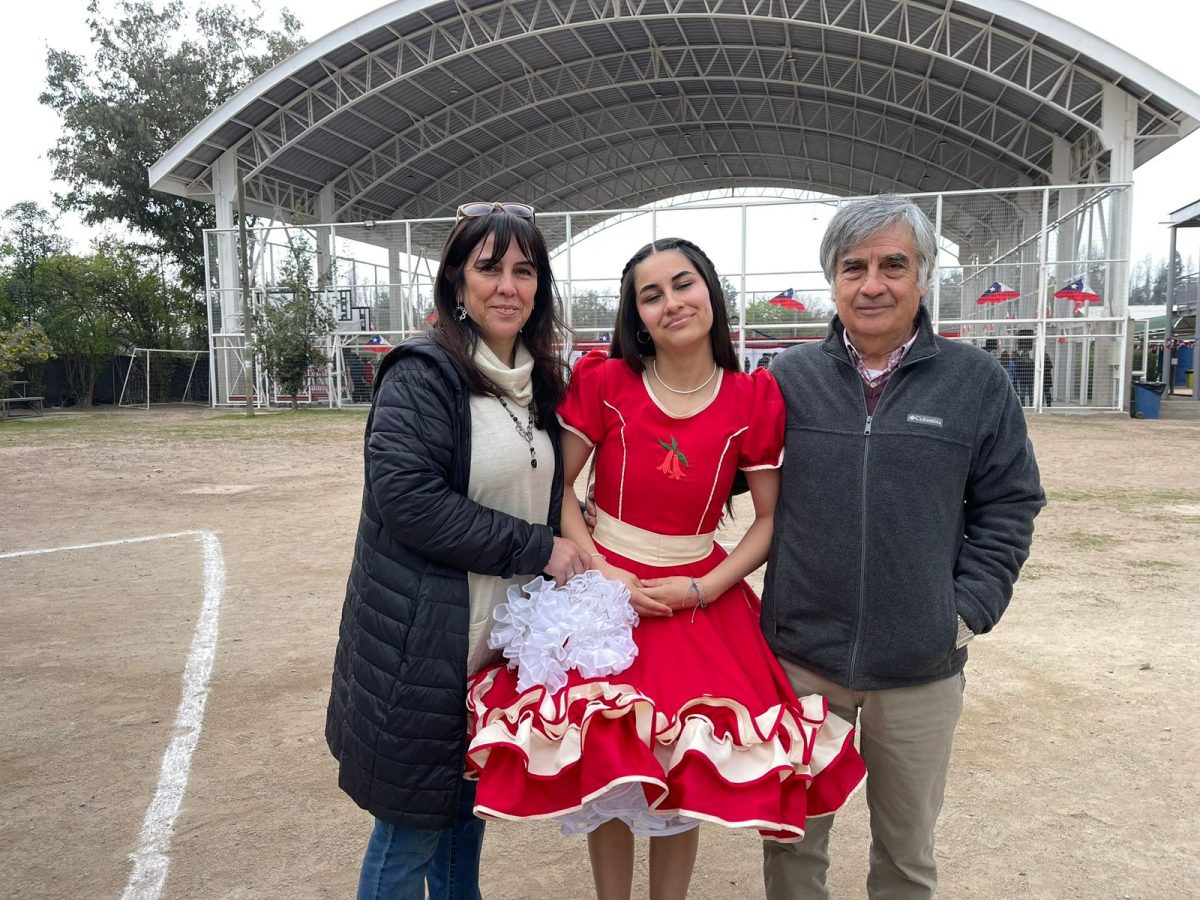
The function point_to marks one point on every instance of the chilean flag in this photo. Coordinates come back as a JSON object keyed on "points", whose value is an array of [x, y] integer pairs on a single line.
{"points": [[376, 345], [998, 293], [1077, 293], [788, 301]]}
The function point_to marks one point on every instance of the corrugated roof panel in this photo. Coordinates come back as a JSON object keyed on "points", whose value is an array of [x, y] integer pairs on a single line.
{"points": [[299, 168], [384, 113], [228, 133], [332, 144], [207, 153], [642, 52]]}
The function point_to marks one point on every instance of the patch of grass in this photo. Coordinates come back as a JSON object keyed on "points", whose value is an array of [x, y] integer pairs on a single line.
{"points": [[284, 415], [1152, 565], [1120, 499], [1033, 571], [1083, 540], [201, 425], [24, 424]]}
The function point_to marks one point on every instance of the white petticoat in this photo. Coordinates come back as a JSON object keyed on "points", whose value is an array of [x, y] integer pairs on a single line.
{"points": [[627, 803], [545, 631]]}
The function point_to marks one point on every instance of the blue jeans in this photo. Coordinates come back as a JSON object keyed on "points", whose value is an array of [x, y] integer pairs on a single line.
{"points": [[399, 861]]}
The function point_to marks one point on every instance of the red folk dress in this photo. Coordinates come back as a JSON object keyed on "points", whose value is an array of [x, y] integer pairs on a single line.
{"points": [[703, 726]]}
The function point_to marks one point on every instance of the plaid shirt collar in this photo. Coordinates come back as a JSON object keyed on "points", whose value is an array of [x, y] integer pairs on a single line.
{"points": [[894, 359]]}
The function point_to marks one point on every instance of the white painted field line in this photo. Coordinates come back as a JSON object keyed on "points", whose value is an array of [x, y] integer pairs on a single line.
{"points": [[137, 540], [150, 861]]}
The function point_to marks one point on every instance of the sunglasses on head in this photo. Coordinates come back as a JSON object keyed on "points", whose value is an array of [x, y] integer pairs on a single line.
{"points": [[475, 210]]}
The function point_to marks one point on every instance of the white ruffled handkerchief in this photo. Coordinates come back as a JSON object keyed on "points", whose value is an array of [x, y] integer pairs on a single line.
{"points": [[545, 631]]}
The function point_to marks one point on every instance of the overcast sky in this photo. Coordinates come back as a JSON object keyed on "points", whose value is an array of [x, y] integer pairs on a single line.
{"points": [[1163, 33]]}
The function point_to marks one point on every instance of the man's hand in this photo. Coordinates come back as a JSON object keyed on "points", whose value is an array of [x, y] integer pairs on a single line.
{"points": [[589, 509], [566, 559]]}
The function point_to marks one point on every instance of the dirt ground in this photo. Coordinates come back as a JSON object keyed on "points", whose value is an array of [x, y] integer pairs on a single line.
{"points": [[1074, 772]]}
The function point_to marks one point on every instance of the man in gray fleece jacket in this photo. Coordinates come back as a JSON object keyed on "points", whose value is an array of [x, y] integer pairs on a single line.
{"points": [[906, 511]]}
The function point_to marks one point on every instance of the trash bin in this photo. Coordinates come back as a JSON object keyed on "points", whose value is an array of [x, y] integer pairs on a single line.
{"points": [[1146, 399]]}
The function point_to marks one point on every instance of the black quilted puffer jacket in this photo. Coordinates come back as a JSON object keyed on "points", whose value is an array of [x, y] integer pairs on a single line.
{"points": [[397, 711]]}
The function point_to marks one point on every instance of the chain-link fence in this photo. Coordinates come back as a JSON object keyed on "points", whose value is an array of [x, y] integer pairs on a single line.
{"points": [[1037, 276]]}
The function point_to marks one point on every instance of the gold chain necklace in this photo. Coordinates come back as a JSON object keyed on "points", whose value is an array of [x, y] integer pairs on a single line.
{"points": [[707, 381]]}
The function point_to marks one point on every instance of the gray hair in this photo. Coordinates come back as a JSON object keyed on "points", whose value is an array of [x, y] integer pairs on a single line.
{"points": [[858, 220]]}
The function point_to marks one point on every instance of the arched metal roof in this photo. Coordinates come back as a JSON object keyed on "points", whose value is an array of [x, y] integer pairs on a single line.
{"points": [[593, 104]]}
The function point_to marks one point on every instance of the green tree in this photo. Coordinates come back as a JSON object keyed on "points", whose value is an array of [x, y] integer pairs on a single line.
{"points": [[731, 301], [763, 312], [292, 325], [591, 309], [1141, 282], [151, 307], [21, 346], [77, 295], [30, 234], [153, 75], [1159, 292]]}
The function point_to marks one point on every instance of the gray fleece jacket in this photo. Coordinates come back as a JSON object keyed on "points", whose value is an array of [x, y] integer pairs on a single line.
{"points": [[891, 526]]}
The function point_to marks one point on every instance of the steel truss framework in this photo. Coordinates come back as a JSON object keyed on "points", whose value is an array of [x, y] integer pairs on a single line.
{"points": [[613, 104]]}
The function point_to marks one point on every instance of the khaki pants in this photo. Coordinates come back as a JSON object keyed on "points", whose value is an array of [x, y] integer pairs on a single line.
{"points": [[905, 736]]}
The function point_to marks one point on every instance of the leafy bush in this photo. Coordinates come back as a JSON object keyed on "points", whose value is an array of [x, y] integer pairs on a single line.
{"points": [[22, 346]]}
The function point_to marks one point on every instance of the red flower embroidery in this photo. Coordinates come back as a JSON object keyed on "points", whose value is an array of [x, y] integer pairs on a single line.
{"points": [[670, 464]]}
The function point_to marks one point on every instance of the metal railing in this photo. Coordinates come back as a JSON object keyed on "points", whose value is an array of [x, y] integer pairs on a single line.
{"points": [[1059, 256]]}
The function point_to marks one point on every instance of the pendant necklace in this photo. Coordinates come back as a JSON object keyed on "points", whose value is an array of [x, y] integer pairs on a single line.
{"points": [[526, 433], [707, 381]]}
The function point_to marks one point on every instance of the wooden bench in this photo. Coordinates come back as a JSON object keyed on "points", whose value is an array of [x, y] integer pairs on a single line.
{"points": [[33, 404]]}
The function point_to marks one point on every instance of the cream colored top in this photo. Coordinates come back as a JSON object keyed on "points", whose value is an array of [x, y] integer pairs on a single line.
{"points": [[501, 478]]}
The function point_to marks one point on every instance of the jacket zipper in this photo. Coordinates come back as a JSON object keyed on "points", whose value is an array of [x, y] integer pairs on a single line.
{"points": [[862, 554]]}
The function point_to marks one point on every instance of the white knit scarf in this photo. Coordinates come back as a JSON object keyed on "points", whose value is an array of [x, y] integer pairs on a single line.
{"points": [[516, 382]]}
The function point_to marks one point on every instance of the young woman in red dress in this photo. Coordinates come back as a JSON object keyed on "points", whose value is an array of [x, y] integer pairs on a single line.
{"points": [[703, 725]]}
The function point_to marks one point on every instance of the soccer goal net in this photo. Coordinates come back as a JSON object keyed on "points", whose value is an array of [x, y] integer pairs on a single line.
{"points": [[165, 376]]}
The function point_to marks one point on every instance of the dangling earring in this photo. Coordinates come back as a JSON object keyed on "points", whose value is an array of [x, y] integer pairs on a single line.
{"points": [[643, 337], [461, 312]]}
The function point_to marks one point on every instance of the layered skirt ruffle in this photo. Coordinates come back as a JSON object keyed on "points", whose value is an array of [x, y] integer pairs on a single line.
{"points": [[699, 725]]}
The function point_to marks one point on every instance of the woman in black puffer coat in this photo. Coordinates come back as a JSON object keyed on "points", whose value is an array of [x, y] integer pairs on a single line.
{"points": [[461, 498]]}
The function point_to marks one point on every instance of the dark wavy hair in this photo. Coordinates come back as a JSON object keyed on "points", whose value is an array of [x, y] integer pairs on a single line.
{"points": [[625, 344], [543, 335]]}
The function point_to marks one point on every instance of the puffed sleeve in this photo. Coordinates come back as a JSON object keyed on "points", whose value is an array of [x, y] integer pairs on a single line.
{"points": [[762, 447], [582, 410]]}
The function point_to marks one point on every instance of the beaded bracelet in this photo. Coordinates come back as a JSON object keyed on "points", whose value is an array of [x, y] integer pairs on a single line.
{"points": [[601, 555], [698, 589]]}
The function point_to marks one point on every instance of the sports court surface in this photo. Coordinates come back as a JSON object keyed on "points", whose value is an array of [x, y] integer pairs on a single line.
{"points": [[170, 585]]}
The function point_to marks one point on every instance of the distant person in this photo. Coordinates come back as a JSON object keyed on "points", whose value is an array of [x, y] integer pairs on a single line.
{"points": [[368, 375], [462, 498], [1024, 377], [1023, 367], [1008, 361], [906, 507], [702, 725], [360, 390], [1047, 380]]}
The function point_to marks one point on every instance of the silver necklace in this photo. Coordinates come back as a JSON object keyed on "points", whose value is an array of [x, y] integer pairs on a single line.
{"points": [[526, 433], [707, 381]]}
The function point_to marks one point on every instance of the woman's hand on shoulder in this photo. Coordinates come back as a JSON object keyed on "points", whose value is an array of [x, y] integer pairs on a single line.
{"points": [[566, 560]]}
